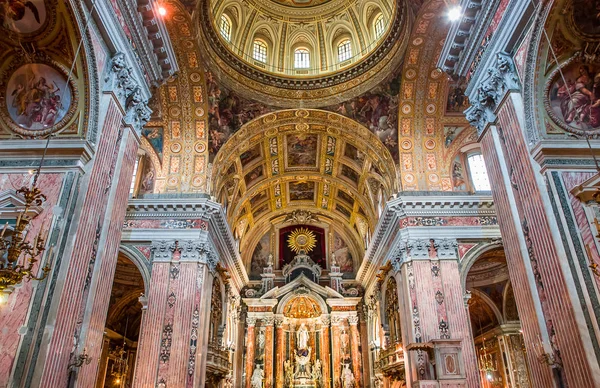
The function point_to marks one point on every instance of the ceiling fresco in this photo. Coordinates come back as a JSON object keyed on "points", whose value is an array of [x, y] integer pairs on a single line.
{"points": [[176, 138], [310, 160], [39, 92]]}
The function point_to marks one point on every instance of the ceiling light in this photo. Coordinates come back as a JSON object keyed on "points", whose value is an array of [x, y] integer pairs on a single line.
{"points": [[162, 11], [454, 13]]}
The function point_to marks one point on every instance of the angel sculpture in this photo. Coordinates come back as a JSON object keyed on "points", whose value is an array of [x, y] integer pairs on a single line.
{"points": [[316, 370], [289, 374]]}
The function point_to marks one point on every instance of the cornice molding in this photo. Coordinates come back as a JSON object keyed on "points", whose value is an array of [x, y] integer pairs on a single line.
{"points": [[201, 208]]}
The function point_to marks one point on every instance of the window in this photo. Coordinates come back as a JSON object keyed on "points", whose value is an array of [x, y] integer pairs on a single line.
{"points": [[301, 58], [344, 50], [479, 175], [225, 28], [259, 51], [134, 177], [379, 27]]}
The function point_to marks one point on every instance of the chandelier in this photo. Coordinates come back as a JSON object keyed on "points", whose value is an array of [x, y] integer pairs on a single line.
{"points": [[18, 255], [486, 363], [120, 365]]}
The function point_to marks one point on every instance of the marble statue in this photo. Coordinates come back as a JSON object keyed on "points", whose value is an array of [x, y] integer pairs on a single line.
{"points": [[257, 377], [348, 377], [302, 337], [303, 365], [289, 373], [261, 339]]}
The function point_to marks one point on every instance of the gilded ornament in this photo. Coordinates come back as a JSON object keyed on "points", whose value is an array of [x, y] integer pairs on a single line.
{"points": [[302, 239]]}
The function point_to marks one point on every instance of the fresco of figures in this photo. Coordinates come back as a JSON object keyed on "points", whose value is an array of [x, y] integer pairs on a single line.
{"points": [[22, 16], [343, 257], [260, 256], [227, 112], [456, 102], [586, 16], [376, 110], [37, 96], [575, 101]]}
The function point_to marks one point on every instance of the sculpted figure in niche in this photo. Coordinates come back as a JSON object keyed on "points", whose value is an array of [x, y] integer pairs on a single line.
{"points": [[347, 377], [257, 377], [289, 373], [302, 337]]}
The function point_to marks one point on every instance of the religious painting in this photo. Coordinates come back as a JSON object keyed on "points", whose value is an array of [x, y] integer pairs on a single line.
{"points": [[254, 175], [37, 96], [302, 150], [317, 253], [22, 16], [250, 155], [377, 110], [459, 182], [302, 191], [576, 104], [343, 210], [349, 173], [345, 197], [147, 178], [227, 112], [353, 153], [155, 136], [343, 257], [456, 101], [586, 16], [450, 134], [258, 198], [260, 256]]}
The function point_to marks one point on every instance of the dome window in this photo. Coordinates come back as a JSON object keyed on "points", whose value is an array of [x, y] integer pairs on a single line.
{"points": [[225, 27], [259, 51], [379, 27], [479, 175], [301, 58], [344, 50]]}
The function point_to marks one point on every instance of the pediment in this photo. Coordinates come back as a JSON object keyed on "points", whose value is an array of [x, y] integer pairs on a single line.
{"points": [[302, 282], [12, 204]]}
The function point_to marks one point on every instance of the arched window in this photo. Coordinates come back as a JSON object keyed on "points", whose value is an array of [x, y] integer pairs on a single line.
{"points": [[134, 179], [259, 51], [225, 28], [344, 50], [379, 27], [478, 172], [301, 58]]}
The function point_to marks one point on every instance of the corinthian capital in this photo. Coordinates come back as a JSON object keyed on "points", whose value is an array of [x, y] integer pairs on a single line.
{"points": [[162, 250]]}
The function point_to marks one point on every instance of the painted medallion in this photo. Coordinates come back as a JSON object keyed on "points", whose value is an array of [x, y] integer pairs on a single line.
{"points": [[22, 16], [37, 97]]}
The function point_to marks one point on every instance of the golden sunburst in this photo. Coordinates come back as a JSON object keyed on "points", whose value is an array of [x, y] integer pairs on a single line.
{"points": [[302, 239]]}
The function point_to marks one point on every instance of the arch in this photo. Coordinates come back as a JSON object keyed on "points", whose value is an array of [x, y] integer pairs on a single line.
{"points": [[306, 293], [490, 304], [140, 261], [471, 257]]}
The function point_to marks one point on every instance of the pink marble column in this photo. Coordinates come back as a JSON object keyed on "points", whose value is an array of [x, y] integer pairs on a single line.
{"points": [[268, 322], [250, 350], [279, 353], [326, 351], [354, 343], [335, 349]]}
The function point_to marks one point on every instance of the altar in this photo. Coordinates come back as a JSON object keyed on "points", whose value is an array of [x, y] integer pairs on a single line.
{"points": [[304, 333]]}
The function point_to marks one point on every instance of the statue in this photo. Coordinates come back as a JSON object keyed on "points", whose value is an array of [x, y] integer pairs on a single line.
{"points": [[302, 337], [316, 372], [261, 339], [303, 365], [347, 377], [257, 377], [344, 342], [289, 373]]}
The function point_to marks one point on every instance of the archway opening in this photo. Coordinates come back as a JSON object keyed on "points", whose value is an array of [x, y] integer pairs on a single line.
{"points": [[122, 327], [495, 322]]}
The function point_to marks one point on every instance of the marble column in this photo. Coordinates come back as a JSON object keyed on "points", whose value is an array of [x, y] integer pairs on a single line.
{"points": [[268, 322], [335, 348], [250, 349], [279, 352], [354, 348], [364, 341], [326, 351]]}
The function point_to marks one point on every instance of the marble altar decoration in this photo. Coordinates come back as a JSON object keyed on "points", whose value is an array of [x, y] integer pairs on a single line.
{"points": [[37, 97]]}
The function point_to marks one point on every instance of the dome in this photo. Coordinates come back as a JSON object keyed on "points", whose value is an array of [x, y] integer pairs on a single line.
{"points": [[286, 51]]}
